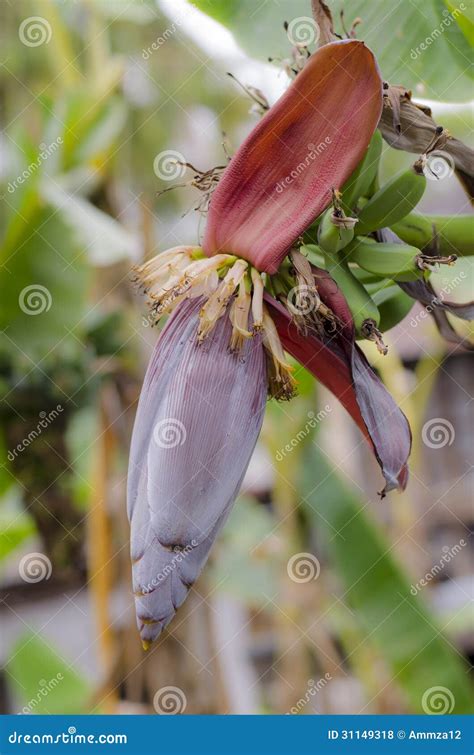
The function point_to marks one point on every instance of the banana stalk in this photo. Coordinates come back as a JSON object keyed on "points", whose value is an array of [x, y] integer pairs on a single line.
{"points": [[336, 230]]}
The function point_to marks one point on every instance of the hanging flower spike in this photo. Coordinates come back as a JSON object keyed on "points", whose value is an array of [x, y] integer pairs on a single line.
{"points": [[203, 399], [198, 419], [311, 140]]}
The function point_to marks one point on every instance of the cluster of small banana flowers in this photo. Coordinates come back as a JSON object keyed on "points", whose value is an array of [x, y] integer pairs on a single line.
{"points": [[249, 295]]}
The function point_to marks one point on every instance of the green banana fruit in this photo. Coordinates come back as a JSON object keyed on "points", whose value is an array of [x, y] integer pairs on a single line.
{"points": [[310, 236], [394, 305], [442, 234], [395, 261], [364, 310], [368, 279], [374, 186], [361, 304], [376, 285], [361, 181], [392, 201], [334, 232], [314, 254], [371, 282]]}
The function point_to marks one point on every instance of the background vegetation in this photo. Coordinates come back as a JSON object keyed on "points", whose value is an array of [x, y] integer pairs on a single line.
{"points": [[86, 114]]}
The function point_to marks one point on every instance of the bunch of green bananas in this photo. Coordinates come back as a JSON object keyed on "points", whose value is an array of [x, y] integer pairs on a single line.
{"points": [[366, 270]]}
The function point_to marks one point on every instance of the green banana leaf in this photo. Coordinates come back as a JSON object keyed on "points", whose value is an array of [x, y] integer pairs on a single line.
{"points": [[12, 537], [16, 526], [395, 31], [464, 16], [398, 624], [43, 282], [103, 238], [44, 682], [238, 566]]}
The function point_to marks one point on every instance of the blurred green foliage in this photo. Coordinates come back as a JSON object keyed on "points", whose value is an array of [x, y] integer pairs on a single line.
{"points": [[426, 50], [44, 682]]}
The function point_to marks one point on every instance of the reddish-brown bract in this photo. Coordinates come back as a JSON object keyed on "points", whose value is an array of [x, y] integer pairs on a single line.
{"points": [[341, 366], [310, 141]]}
